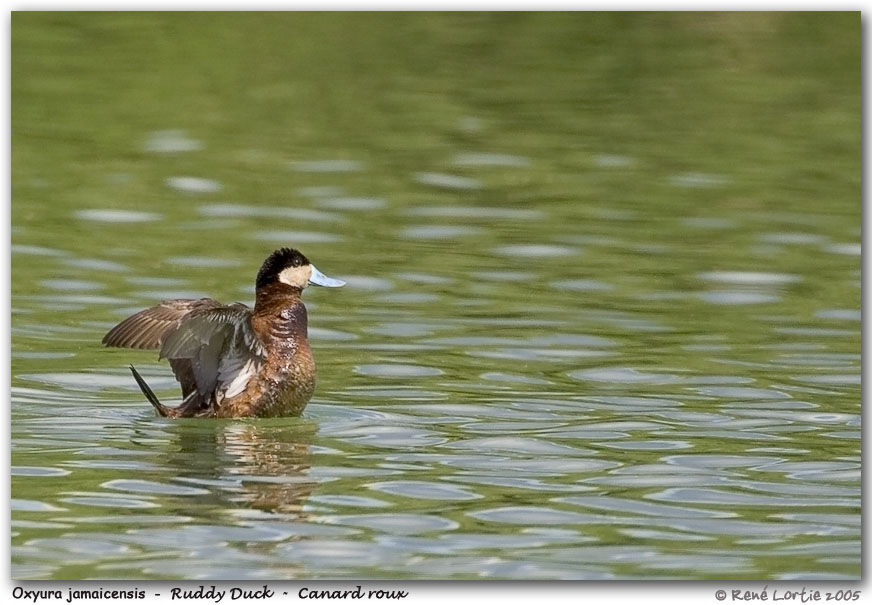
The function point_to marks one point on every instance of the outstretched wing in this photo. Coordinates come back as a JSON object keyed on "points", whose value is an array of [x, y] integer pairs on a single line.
{"points": [[214, 351], [148, 329]]}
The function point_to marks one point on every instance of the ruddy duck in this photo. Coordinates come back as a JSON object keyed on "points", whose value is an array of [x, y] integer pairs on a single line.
{"points": [[232, 361]]}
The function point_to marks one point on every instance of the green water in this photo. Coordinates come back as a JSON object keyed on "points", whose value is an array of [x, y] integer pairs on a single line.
{"points": [[602, 318]]}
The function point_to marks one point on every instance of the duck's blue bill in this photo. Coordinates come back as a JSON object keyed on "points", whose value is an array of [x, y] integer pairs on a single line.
{"points": [[319, 279]]}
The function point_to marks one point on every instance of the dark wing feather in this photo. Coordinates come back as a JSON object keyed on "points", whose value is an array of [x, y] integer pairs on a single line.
{"points": [[184, 373], [210, 350], [148, 329]]}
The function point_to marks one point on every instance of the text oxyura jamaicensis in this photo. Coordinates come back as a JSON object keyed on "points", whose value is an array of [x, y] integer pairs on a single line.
{"points": [[232, 361]]}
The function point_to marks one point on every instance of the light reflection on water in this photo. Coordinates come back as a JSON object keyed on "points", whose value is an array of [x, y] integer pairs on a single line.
{"points": [[545, 363], [619, 479]]}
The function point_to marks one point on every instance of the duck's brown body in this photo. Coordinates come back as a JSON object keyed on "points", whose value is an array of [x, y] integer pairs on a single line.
{"points": [[286, 381], [232, 361]]}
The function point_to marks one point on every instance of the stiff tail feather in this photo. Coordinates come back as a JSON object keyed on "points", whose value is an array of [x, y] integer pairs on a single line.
{"points": [[149, 394]]}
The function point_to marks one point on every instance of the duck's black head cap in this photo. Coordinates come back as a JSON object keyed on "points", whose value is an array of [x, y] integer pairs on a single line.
{"points": [[277, 262]]}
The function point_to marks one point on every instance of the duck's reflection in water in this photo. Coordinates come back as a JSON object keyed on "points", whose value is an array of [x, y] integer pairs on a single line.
{"points": [[258, 464], [272, 464]]}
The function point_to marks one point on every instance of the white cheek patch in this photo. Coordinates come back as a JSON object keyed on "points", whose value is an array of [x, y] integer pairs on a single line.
{"points": [[297, 277]]}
